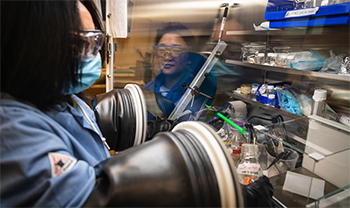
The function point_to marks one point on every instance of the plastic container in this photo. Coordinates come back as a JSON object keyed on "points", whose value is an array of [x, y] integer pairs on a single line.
{"points": [[272, 99], [248, 167], [344, 119], [246, 89], [288, 162], [319, 102]]}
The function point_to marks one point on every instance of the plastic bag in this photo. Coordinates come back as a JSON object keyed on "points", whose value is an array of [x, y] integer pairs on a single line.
{"points": [[305, 103], [307, 60], [333, 63], [288, 101]]}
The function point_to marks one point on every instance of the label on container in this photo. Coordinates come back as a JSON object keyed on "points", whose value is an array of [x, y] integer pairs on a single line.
{"points": [[248, 169], [301, 12]]}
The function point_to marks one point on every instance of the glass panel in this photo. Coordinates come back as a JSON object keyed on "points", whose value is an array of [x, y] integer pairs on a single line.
{"points": [[323, 146], [336, 140], [337, 198]]}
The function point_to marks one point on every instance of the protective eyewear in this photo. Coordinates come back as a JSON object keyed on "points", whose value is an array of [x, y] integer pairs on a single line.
{"points": [[93, 40], [161, 50]]}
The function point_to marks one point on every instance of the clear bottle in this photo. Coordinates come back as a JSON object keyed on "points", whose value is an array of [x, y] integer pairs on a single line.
{"points": [[248, 167], [237, 139], [344, 119], [319, 102], [272, 100], [270, 89]]}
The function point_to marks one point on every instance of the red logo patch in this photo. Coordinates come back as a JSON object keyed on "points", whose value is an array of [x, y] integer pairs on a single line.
{"points": [[60, 163]]}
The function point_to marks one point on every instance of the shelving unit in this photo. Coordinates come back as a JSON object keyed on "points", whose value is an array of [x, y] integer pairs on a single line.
{"points": [[315, 74], [325, 148]]}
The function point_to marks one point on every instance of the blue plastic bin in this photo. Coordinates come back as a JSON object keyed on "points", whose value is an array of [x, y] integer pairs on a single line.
{"points": [[281, 14]]}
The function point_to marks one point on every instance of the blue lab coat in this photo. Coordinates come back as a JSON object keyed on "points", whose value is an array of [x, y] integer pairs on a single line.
{"points": [[29, 135]]}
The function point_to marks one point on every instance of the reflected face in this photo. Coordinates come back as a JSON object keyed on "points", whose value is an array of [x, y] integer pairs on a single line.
{"points": [[176, 64]]}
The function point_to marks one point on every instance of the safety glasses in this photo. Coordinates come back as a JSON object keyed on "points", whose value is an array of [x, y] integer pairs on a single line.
{"points": [[161, 50], [93, 40]]}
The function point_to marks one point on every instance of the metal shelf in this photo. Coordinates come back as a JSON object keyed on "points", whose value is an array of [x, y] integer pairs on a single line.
{"points": [[266, 107], [316, 30], [290, 71]]}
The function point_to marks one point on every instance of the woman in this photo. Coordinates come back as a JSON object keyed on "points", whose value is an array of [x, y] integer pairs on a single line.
{"points": [[49, 52], [52, 151], [179, 67]]}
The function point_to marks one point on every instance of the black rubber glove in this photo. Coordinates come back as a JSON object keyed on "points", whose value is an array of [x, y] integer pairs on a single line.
{"points": [[258, 193], [156, 126]]}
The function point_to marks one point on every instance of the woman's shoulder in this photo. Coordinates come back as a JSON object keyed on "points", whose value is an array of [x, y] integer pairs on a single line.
{"points": [[150, 85], [18, 113]]}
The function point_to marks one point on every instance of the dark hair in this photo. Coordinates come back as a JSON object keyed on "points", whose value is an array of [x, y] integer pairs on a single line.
{"points": [[179, 29], [39, 49]]}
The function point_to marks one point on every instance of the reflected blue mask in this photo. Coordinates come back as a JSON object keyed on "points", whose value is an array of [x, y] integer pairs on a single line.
{"points": [[91, 71]]}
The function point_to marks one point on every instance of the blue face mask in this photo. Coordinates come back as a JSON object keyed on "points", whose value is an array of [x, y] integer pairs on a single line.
{"points": [[91, 71]]}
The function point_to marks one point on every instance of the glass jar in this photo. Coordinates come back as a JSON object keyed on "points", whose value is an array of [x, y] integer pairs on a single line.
{"points": [[248, 167], [282, 60], [251, 50], [298, 4], [271, 59], [259, 58], [282, 55], [281, 49]]}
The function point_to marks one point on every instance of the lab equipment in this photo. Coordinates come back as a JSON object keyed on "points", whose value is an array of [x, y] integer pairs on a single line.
{"points": [[223, 22], [319, 102], [236, 140], [248, 167], [201, 174], [288, 161], [197, 81]]}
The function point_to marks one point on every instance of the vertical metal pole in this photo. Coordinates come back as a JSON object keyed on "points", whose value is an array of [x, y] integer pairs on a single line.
{"points": [[197, 81], [110, 50]]}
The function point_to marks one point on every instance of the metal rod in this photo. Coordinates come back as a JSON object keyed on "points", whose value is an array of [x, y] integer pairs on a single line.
{"points": [[198, 80]]}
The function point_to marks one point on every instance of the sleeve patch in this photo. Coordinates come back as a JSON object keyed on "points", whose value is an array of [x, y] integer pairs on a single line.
{"points": [[60, 163]]}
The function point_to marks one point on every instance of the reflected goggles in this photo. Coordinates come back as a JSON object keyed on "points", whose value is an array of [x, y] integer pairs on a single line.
{"points": [[93, 40], [161, 50]]}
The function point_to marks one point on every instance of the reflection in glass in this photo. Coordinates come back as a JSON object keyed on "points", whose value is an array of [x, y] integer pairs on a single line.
{"points": [[175, 75]]}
